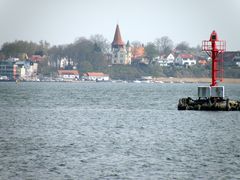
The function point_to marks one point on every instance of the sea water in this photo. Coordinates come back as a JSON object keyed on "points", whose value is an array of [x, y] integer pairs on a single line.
{"points": [[114, 131]]}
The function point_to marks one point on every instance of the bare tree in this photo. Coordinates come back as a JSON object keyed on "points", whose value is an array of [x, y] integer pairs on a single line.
{"points": [[164, 45], [151, 51], [182, 46], [100, 43], [136, 44]]}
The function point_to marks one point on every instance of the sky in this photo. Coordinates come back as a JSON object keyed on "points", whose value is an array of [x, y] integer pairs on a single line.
{"points": [[63, 21]]}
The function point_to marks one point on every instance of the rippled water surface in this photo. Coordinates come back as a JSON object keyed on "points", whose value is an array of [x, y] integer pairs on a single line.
{"points": [[114, 131]]}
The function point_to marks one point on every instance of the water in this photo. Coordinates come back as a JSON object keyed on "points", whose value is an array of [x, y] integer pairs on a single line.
{"points": [[114, 131]]}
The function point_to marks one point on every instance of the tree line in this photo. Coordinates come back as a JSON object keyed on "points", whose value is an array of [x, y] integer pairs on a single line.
{"points": [[84, 49]]}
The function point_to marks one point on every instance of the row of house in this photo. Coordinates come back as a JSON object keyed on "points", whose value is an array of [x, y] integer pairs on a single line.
{"points": [[69, 75], [181, 60], [125, 54], [13, 68]]}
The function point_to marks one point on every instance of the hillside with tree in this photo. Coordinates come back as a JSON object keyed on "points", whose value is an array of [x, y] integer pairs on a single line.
{"points": [[93, 55]]}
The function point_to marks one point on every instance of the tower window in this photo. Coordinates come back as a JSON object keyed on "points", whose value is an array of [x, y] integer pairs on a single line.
{"points": [[213, 37]]}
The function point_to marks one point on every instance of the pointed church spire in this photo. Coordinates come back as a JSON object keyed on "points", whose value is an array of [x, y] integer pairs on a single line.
{"points": [[117, 41], [128, 44]]}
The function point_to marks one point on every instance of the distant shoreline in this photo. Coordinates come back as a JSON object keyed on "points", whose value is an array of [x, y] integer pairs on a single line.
{"points": [[161, 80], [194, 80]]}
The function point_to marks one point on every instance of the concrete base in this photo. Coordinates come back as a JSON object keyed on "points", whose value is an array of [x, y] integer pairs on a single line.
{"points": [[209, 104]]}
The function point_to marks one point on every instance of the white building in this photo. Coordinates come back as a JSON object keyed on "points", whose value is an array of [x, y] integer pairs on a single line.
{"points": [[64, 62], [165, 60], [96, 76], [170, 59], [185, 60], [68, 74], [27, 70], [162, 62]]}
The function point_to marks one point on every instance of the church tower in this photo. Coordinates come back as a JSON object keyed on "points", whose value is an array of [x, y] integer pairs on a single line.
{"points": [[120, 54], [129, 53]]}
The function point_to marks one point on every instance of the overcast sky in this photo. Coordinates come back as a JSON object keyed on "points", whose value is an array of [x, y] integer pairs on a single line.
{"points": [[62, 21]]}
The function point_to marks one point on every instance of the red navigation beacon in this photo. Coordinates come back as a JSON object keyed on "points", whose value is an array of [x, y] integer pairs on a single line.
{"points": [[211, 98], [215, 48]]}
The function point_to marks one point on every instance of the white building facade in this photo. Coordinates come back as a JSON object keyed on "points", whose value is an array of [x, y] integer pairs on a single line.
{"points": [[185, 60], [95, 76]]}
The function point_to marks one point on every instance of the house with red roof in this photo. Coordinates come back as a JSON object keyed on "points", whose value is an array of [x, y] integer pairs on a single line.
{"points": [[68, 74], [95, 76], [202, 62], [37, 58], [185, 60]]}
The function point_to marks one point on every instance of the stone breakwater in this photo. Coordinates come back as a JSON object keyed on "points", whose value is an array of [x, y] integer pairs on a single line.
{"points": [[209, 104]]}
